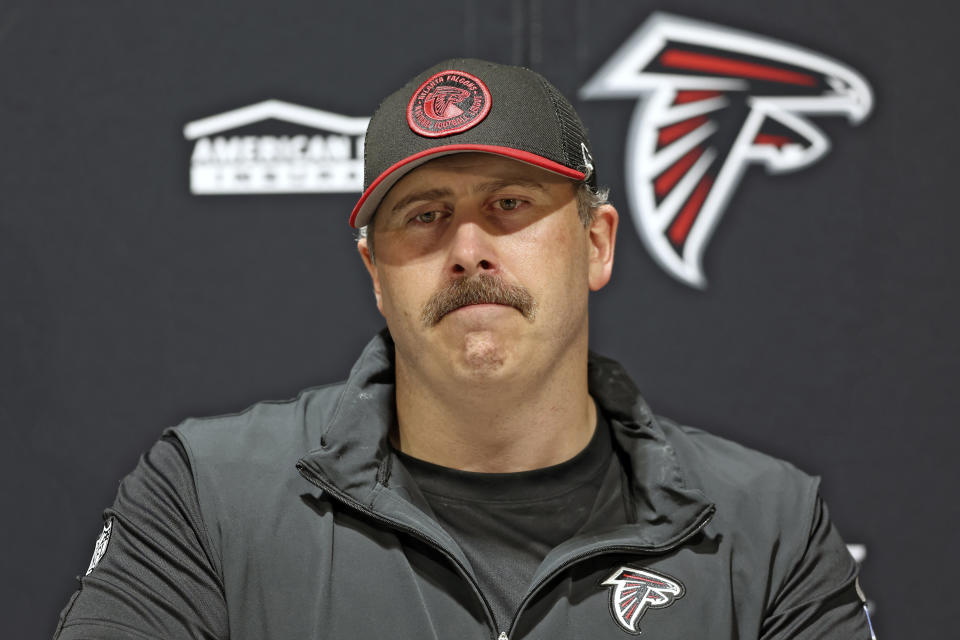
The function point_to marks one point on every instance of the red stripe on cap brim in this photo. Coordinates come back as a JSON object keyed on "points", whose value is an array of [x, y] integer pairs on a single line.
{"points": [[412, 162]]}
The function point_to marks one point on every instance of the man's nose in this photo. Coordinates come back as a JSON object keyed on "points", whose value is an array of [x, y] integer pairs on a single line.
{"points": [[472, 251]]}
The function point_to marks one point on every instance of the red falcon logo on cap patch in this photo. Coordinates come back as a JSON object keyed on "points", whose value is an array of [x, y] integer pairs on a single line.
{"points": [[633, 591], [448, 102]]}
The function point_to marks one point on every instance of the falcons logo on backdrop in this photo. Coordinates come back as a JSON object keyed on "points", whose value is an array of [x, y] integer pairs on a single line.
{"points": [[633, 591], [715, 100]]}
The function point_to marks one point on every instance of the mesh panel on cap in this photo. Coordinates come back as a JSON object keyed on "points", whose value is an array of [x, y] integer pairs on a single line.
{"points": [[573, 133]]}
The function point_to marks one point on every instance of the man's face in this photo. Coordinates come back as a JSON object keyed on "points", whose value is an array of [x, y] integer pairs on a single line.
{"points": [[483, 267]]}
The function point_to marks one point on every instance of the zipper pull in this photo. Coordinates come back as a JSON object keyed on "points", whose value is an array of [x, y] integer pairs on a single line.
{"points": [[503, 636]]}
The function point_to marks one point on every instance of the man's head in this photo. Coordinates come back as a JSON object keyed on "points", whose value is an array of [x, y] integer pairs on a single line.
{"points": [[489, 231]]}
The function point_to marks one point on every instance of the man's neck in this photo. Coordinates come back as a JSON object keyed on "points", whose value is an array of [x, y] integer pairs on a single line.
{"points": [[514, 425]]}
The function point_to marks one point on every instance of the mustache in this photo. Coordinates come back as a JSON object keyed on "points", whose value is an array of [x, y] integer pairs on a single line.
{"points": [[480, 289]]}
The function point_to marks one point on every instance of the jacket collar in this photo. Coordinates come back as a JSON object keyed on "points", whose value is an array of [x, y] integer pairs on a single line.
{"points": [[354, 458]]}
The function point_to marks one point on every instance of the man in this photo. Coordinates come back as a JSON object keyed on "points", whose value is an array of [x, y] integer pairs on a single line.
{"points": [[479, 474]]}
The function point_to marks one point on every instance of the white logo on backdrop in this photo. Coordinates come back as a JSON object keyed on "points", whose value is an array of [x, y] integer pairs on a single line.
{"points": [[327, 160], [713, 100]]}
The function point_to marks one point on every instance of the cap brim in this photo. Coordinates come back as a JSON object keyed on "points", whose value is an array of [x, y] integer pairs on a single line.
{"points": [[367, 204]]}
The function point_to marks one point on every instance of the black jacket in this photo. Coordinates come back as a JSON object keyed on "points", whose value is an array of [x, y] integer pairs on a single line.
{"points": [[723, 543]]}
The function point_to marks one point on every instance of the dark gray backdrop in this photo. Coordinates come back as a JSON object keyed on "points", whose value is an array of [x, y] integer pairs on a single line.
{"points": [[126, 304]]}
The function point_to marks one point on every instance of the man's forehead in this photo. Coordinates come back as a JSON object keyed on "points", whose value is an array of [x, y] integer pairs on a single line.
{"points": [[485, 170], [484, 164]]}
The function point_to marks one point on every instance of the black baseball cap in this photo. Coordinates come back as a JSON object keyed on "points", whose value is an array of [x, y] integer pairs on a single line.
{"points": [[467, 105]]}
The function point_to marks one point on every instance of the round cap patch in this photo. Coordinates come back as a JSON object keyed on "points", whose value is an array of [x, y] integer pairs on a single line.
{"points": [[448, 102]]}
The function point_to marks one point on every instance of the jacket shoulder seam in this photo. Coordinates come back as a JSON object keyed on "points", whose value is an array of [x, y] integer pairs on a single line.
{"points": [[217, 551], [254, 405], [814, 492]]}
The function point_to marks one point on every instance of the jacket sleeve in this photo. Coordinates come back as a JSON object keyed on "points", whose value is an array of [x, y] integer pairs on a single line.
{"points": [[153, 575], [820, 598]]}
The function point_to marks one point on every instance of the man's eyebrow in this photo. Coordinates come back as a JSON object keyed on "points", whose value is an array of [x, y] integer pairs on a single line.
{"points": [[486, 187], [417, 196], [496, 185]]}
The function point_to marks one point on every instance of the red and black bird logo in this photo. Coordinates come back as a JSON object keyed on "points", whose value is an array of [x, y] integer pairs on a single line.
{"points": [[713, 101], [634, 590], [441, 103]]}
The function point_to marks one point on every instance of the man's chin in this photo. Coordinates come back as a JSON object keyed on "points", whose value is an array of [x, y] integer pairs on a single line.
{"points": [[481, 340], [483, 354]]}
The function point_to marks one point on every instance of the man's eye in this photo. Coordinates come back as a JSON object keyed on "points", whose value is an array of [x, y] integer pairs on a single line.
{"points": [[427, 217], [508, 204]]}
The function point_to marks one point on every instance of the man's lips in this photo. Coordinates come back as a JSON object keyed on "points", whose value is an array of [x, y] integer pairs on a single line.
{"points": [[483, 306]]}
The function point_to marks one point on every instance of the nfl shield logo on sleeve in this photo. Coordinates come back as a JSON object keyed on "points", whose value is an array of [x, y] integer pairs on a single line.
{"points": [[101, 547]]}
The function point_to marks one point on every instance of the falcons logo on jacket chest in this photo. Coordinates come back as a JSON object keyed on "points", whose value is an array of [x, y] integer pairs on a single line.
{"points": [[633, 591], [712, 101]]}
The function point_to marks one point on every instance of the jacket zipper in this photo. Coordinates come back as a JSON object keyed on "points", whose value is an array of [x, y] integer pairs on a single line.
{"points": [[597, 552], [316, 480]]}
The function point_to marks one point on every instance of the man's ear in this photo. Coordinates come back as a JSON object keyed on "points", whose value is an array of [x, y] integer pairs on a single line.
{"points": [[371, 266], [602, 237]]}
